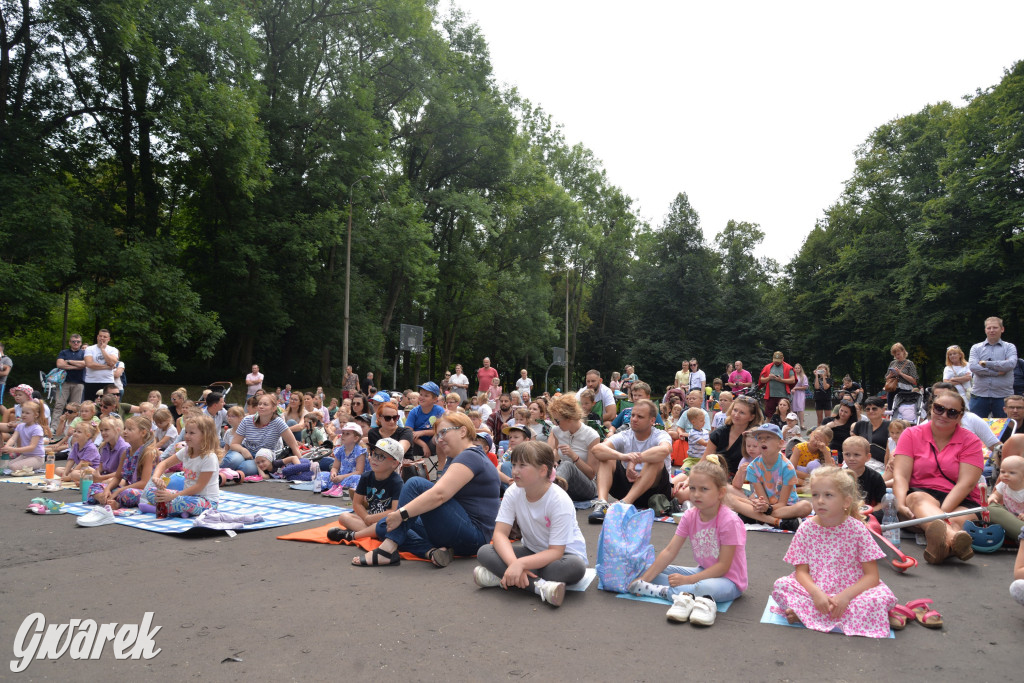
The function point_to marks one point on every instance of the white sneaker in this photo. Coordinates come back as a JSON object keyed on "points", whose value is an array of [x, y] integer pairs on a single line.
{"points": [[551, 592], [704, 611], [98, 516], [485, 578], [682, 605]]}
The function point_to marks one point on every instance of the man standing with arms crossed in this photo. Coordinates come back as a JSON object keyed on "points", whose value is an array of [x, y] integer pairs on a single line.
{"points": [[992, 362], [72, 361], [100, 360]]}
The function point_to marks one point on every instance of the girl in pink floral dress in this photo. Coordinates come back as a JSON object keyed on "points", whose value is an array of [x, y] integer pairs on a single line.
{"points": [[835, 585]]}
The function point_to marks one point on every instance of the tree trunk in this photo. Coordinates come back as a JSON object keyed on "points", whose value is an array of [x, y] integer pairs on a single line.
{"points": [[125, 146]]}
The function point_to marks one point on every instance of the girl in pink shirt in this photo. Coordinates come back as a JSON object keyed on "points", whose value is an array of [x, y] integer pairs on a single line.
{"points": [[719, 542]]}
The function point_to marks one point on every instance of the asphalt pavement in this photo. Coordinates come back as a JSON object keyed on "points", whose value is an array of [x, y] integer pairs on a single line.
{"points": [[254, 608]]}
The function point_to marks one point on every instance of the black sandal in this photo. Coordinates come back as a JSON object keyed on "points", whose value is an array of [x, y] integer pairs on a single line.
{"points": [[375, 555], [439, 557]]}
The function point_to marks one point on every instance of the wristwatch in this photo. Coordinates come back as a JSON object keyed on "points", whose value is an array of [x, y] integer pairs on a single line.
{"points": [[404, 513]]}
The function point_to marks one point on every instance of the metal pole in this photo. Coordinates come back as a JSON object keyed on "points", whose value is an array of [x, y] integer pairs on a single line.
{"points": [[565, 386], [348, 273]]}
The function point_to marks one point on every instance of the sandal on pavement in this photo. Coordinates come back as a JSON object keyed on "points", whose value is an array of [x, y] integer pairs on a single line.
{"points": [[376, 554], [925, 616], [440, 557], [937, 549], [898, 617]]}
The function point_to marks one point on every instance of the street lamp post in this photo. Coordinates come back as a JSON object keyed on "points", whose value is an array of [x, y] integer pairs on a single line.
{"points": [[348, 272]]}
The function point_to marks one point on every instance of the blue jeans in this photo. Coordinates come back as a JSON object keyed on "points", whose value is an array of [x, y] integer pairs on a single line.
{"points": [[718, 589], [233, 460], [983, 405], [447, 526]]}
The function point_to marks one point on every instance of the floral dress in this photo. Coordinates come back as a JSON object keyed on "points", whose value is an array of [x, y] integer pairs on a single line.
{"points": [[834, 556]]}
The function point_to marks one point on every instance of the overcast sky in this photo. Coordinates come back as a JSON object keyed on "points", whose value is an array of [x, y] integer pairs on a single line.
{"points": [[754, 109]]}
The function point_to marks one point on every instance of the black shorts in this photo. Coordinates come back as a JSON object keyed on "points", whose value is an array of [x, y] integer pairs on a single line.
{"points": [[822, 400], [941, 496], [621, 485]]}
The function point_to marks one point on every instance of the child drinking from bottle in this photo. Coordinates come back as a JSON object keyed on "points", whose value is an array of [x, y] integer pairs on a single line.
{"points": [[835, 584], [200, 464], [719, 542], [553, 552]]}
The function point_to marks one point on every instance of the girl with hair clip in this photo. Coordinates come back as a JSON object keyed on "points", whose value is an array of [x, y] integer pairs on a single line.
{"points": [[553, 552], [836, 582], [719, 543], [113, 450], [199, 463], [136, 466]]}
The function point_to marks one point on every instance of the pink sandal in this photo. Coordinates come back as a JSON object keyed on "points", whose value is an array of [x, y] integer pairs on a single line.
{"points": [[898, 617], [924, 614]]}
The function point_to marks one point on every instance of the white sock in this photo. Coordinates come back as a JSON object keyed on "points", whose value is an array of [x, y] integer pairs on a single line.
{"points": [[651, 590]]}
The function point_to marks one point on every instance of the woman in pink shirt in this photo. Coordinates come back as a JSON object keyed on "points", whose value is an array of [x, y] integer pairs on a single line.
{"points": [[937, 467]]}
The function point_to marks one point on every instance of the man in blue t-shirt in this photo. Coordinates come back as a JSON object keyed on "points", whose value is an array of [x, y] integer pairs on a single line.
{"points": [[421, 421], [72, 361]]}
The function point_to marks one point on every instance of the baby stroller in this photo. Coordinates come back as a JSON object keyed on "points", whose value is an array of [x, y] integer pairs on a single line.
{"points": [[909, 406]]}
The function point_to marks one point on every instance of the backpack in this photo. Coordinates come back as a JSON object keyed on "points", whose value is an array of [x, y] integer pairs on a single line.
{"points": [[624, 548]]}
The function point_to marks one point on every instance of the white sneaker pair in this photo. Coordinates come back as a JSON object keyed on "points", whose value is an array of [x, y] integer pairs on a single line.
{"points": [[685, 608], [98, 516]]}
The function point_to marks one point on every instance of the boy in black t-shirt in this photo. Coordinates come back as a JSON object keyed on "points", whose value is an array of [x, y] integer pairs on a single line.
{"points": [[856, 453], [376, 494]]}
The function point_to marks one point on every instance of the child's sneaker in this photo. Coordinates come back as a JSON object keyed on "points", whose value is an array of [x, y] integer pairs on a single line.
{"points": [[97, 517], [704, 611], [790, 524], [551, 592], [485, 578], [682, 606], [597, 516]]}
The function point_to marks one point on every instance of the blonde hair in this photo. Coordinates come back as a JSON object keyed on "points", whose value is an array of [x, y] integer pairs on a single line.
{"points": [[236, 411], [956, 348], [858, 441], [537, 454], [162, 416], [845, 483], [694, 413], [144, 425], [457, 420], [565, 407], [90, 427], [208, 431], [897, 347], [113, 423], [825, 431], [898, 424], [91, 405], [713, 466]]}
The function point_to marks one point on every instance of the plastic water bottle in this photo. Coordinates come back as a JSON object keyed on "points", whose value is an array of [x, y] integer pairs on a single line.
{"points": [[317, 484], [85, 483], [889, 517], [51, 465]]}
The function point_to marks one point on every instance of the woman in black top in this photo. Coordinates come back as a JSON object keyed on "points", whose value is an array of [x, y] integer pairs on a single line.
{"points": [[727, 440], [841, 426], [875, 429]]}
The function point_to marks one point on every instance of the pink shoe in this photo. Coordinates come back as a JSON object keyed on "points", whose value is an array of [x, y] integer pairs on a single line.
{"points": [[335, 491]]}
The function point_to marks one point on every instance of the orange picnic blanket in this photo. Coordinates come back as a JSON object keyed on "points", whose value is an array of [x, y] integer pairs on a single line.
{"points": [[319, 535]]}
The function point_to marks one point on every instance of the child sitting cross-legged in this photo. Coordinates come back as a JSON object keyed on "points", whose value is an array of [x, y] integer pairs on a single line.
{"points": [[349, 462], [811, 454], [718, 538], [376, 494], [773, 478]]}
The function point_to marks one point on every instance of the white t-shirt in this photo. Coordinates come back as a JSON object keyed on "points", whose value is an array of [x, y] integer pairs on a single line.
{"points": [[193, 467], [578, 442], [105, 376], [460, 380], [626, 442], [952, 371], [547, 522], [171, 431], [603, 395], [524, 386], [485, 411], [251, 389], [117, 378], [696, 378], [980, 428]]}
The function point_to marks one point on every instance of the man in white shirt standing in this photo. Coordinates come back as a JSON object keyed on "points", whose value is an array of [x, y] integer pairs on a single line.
{"points": [[253, 381], [100, 360], [460, 383], [525, 386]]}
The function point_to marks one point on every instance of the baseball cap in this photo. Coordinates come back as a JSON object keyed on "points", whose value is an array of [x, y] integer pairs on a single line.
{"points": [[507, 429], [792, 416], [487, 439], [381, 397], [777, 355], [390, 447], [768, 428], [431, 387]]}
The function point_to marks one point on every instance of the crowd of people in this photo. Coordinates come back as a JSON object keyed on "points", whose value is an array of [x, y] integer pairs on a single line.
{"points": [[439, 471]]}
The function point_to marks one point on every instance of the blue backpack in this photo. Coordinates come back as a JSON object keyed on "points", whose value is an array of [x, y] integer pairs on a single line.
{"points": [[624, 548]]}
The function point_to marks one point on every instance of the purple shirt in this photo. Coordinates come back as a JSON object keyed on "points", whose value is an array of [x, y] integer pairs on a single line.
{"points": [[25, 434], [88, 454], [110, 458]]}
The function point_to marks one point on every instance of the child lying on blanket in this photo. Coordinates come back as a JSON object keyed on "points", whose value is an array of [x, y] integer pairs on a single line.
{"points": [[376, 494], [290, 467]]}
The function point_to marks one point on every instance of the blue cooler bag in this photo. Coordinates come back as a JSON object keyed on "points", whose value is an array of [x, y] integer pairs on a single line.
{"points": [[624, 549]]}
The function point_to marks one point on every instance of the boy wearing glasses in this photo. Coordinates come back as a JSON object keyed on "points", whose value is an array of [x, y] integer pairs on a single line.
{"points": [[376, 494]]}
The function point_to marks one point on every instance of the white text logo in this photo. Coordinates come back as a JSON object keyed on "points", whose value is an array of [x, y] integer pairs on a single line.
{"points": [[81, 639]]}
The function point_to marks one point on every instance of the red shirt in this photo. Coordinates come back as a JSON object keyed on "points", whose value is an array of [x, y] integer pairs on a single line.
{"points": [[485, 376]]}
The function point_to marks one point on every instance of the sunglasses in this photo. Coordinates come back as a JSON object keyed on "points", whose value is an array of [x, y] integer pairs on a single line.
{"points": [[872, 407], [389, 418], [951, 413]]}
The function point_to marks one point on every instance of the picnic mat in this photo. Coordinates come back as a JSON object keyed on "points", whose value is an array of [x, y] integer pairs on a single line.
{"points": [[770, 617], [35, 479], [275, 512], [722, 606], [319, 535]]}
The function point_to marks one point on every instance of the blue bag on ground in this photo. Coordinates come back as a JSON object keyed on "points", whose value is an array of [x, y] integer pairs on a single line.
{"points": [[624, 549]]}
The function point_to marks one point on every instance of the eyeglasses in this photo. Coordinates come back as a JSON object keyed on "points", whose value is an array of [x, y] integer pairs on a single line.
{"points": [[951, 413], [389, 418], [379, 457], [444, 431]]}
